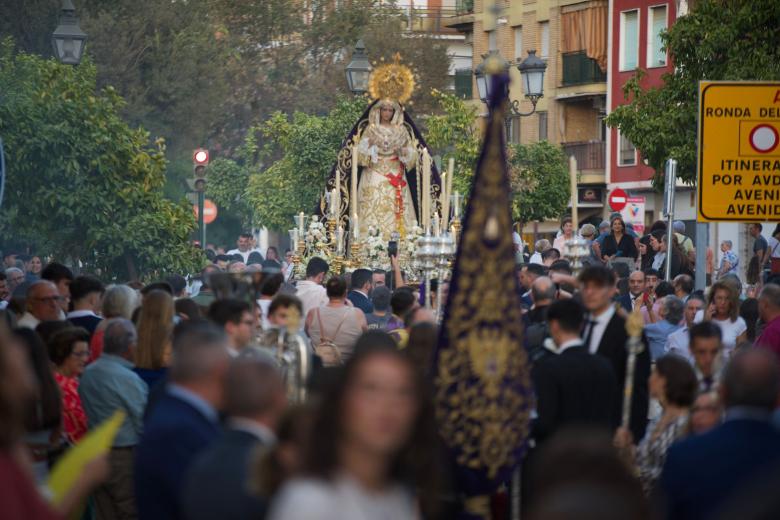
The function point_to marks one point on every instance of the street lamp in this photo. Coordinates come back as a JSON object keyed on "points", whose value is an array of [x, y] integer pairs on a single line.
{"points": [[68, 39], [358, 69], [492, 61], [531, 71]]}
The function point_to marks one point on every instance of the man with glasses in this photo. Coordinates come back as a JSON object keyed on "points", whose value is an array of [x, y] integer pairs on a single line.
{"points": [[42, 303], [15, 278]]}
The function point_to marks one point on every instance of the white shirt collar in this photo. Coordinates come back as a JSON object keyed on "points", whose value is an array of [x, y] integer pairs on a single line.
{"points": [[599, 327], [261, 431], [605, 316], [574, 342], [81, 314]]}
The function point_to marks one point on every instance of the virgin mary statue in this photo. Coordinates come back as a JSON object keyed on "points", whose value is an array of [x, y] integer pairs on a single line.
{"points": [[389, 151], [386, 152]]}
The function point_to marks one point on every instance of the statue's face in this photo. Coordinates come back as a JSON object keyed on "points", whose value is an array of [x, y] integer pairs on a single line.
{"points": [[386, 113]]}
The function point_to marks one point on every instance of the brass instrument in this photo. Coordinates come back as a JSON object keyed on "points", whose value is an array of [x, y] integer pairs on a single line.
{"points": [[292, 354]]}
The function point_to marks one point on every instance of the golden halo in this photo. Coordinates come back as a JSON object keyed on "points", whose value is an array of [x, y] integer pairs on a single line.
{"points": [[392, 81]]}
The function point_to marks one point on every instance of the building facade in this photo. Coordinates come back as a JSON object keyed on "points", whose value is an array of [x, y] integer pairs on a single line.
{"points": [[572, 37], [635, 27]]}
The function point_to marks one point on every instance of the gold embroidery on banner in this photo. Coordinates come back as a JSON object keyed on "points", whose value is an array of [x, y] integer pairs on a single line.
{"points": [[482, 385]]}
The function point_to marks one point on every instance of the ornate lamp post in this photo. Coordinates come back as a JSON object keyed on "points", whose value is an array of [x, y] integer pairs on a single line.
{"points": [[358, 69], [68, 39], [531, 71]]}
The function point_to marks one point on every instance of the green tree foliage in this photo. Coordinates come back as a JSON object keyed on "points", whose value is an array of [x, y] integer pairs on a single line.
{"points": [[81, 183], [539, 177], [305, 148], [718, 40], [454, 133]]}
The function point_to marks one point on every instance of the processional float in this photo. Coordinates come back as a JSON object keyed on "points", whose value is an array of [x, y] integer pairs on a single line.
{"points": [[345, 229]]}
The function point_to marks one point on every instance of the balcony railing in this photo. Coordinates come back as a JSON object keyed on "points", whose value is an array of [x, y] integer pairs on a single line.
{"points": [[463, 83], [590, 155], [579, 69]]}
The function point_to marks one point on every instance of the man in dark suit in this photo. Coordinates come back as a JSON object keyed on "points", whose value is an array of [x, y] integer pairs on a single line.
{"points": [[573, 386], [703, 472], [636, 291], [361, 290], [217, 484], [183, 422], [605, 334]]}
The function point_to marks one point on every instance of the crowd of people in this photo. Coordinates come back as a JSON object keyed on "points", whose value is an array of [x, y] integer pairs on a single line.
{"points": [[686, 428]]}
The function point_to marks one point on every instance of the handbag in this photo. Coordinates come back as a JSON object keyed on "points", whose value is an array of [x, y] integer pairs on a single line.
{"points": [[774, 265]]}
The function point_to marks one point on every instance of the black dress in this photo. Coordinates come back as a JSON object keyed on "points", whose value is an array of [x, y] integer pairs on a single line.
{"points": [[625, 248]]}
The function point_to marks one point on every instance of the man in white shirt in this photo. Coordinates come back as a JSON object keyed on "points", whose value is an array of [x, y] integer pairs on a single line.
{"points": [[541, 246], [311, 291], [677, 342], [43, 304], [244, 244]]}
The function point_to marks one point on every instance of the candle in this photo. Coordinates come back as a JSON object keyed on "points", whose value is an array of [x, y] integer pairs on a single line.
{"points": [[456, 205], [355, 226], [338, 191], [334, 203], [301, 223], [339, 240], [436, 222], [426, 187], [354, 182], [445, 207], [573, 178]]}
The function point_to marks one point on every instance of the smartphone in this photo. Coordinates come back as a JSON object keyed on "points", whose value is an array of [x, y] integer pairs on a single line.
{"points": [[392, 248]]}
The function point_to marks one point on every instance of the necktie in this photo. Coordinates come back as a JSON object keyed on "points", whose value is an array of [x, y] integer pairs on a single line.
{"points": [[588, 333], [708, 380]]}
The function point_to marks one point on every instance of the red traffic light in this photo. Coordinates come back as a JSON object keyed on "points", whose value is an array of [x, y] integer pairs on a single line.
{"points": [[200, 157]]}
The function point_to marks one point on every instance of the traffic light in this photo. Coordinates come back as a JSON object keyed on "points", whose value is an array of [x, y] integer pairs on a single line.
{"points": [[200, 159]]}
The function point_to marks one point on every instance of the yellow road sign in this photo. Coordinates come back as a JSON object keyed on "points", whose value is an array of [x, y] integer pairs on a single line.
{"points": [[739, 151]]}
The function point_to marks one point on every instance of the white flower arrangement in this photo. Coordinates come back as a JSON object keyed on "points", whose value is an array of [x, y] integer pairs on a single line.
{"points": [[376, 249]]}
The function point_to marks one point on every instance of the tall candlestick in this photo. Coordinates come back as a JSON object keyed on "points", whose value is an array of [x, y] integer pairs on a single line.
{"points": [[456, 202], [573, 179], [355, 227], [338, 190], [445, 205], [340, 241], [334, 203], [354, 183], [426, 187], [301, 223]]}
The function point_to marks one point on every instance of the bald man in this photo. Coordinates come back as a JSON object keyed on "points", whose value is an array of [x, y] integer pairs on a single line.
{"points": [[42, 303], [636, 289]]}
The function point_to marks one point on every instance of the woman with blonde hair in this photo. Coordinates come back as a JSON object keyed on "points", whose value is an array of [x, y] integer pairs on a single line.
{"points": [[155, 328]]}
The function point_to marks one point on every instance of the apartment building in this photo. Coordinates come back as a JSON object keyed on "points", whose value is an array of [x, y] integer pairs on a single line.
{"points": [[635, 27], [572, 37]]}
